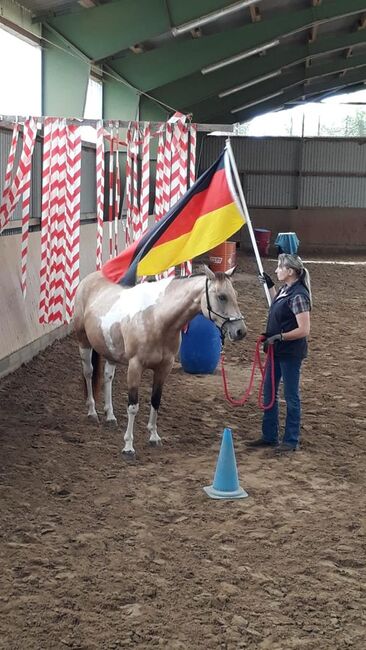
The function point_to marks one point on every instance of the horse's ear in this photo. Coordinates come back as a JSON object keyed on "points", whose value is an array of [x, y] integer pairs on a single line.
{"points": [[231, 271], [207, 271]]}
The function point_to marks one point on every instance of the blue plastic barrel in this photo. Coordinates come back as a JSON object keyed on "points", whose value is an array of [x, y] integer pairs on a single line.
{"points": [[201, 347], [287, 242]]}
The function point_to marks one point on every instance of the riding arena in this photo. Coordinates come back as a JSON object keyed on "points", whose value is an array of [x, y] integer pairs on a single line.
{"points": [[143, 203]]}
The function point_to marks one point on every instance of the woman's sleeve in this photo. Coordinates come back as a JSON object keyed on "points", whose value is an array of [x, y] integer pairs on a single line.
{"points": [[299, 303]]}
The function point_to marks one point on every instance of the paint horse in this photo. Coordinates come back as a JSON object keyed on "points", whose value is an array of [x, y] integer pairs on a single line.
{"points": [[142, 325]]}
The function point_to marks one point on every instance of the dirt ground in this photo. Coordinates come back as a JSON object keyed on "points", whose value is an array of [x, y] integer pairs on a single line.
{"points": [[100, 554]]}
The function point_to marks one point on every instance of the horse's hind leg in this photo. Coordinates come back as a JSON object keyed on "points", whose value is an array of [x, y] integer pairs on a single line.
{"points": [[109, 370], [86, 360], [160, 376]]}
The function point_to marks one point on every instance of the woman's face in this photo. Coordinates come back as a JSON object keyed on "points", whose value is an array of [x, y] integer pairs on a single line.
{"points": [[283, 273]]}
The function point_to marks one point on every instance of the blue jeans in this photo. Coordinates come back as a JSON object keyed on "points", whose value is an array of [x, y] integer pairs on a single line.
{"points": [[287, 368]]}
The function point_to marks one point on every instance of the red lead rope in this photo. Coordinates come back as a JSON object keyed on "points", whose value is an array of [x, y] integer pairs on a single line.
{"points": [[257, 361]]}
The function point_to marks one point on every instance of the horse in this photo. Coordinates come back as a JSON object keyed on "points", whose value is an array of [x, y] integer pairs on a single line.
{"points": [[142, 325]]}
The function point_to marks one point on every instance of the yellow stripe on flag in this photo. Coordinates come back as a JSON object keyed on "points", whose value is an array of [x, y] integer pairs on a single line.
{"points": [[209, 230]]}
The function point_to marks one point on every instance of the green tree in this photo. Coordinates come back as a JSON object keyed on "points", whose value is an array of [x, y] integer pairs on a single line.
{"points": [[353, 126], [243, 129]]}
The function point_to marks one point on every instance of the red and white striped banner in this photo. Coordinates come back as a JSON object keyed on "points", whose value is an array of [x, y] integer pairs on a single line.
{"points": [[117, 192], [187, 267], [167, 168], [179, 171], [128, 233], [57, 220], [110, 193], [45, 230], [136, 222], [178, 181], [100, 193], [20, 185], [192, 154], [159, 207], [30, 132], [60, 234], [145, 180], [73, 177]]}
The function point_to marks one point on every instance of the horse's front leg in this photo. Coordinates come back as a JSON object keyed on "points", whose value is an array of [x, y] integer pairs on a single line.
{"points": [[109, 370], [134, 373], [160, 375]]}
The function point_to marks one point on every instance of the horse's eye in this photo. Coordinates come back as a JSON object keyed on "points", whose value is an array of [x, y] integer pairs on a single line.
{"points": [[222, 297]]}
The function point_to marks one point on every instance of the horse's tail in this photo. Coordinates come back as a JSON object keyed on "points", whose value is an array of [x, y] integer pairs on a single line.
{"points": [[96, 376]]}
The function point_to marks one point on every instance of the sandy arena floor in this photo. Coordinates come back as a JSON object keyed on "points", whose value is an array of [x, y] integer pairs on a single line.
{"points": [[99, 554]]}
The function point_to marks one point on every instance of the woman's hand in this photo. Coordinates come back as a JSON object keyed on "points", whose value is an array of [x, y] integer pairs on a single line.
{"points": [[264, 278], [270, 341]]}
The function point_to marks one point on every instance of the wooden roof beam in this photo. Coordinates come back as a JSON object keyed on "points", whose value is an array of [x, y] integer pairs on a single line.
{"points": [[196, 32], [313, 33], [138, 48], [255, 13], [362, 22], [159, 67]]}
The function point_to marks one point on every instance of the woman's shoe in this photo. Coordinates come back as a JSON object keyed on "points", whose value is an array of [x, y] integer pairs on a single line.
{"points": [[284, 448], [260, 443]]}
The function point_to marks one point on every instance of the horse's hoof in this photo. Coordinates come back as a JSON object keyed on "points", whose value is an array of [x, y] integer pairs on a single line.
{"points": [[129, 456], [93, 418], [111, 424], [155, 443]]}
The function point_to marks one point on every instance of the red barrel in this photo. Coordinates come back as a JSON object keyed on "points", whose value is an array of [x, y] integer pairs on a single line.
{"points": [[223, 257], [263, 239]]}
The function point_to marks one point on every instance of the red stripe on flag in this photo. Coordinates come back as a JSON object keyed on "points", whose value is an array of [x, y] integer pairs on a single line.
{"points": [[214, 197], [116, 267]]}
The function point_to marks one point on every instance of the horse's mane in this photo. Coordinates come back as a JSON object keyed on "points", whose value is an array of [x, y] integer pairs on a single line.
{"points": [[178, 277], [186, 277], [219, 276]]}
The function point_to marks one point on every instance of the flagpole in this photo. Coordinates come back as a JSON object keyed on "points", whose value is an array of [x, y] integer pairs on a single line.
{"points": [[247, 217]]}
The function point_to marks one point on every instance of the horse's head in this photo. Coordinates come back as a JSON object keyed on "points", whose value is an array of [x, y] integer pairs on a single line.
{"points": [[219, 304]]}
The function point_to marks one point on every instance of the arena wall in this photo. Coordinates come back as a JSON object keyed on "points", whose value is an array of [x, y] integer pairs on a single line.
{"points": [[22, 337], [320, 231]]}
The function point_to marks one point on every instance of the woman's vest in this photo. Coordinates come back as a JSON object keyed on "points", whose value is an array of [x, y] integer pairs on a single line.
{"points": [[282, 319]]}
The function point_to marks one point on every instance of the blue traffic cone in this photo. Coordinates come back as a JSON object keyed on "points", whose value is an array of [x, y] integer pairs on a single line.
{"points": [[226, 483]]}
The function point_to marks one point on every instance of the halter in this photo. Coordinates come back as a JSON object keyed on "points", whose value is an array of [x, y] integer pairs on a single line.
{"points": [[230, 319]]}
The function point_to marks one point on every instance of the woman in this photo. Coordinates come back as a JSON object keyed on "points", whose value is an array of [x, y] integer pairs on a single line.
{"points": [[288, 326]]}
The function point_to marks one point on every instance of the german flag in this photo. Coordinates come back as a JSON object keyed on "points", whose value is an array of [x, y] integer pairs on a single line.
{"points": [[207, 214]]}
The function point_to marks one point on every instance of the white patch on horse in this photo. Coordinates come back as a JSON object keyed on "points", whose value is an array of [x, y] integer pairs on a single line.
{"points": [[127, 305]]}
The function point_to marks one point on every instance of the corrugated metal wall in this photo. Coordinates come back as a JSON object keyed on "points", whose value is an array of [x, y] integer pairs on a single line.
{"points": [[296, 172]]}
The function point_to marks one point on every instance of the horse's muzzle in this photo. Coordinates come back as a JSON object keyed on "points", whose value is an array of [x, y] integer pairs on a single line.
{"points": [[235, 330]]}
